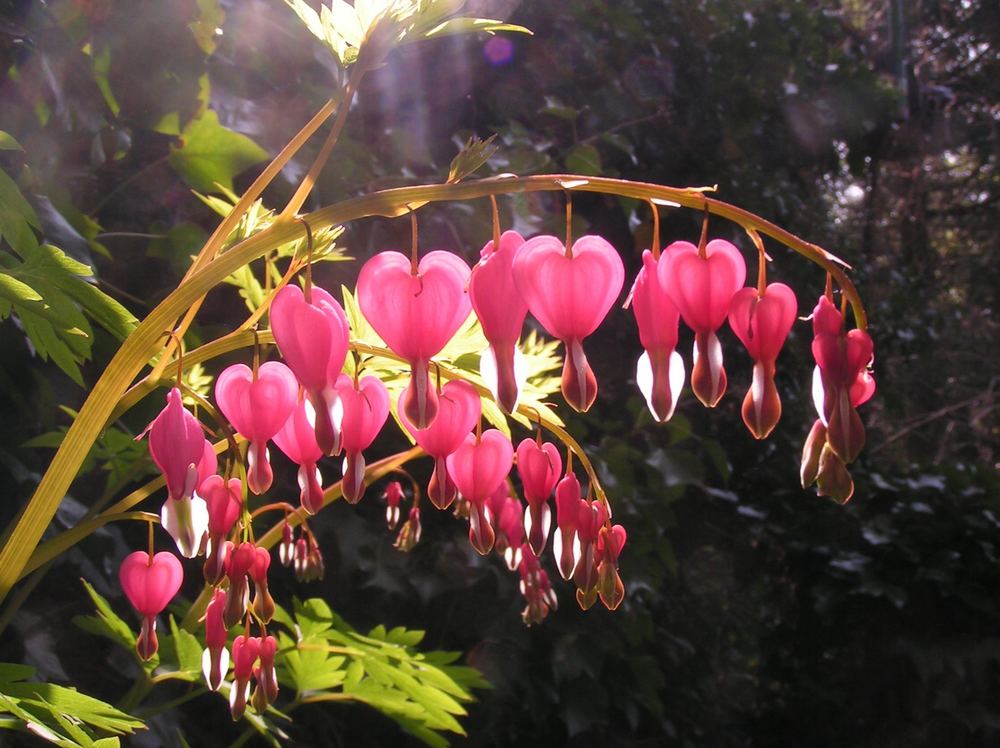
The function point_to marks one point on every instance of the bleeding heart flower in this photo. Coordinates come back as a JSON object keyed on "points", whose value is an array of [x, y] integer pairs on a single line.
{"points": [[409, 533], [416, 314], [539, 466], [177, 445], [298, 441], [224, 502], [246, 650], [565, 543], [366, 406], [459, 409], [478, 467], [501, 312], [570, 294], [186, 521], [701, 289], [610, 542], [215, 658], [762, 322], [263, 603], [313, 336], [239, 561], [266, 692], [536, 588], [841, 381], [257, 407], [591, 517], [150, 582], [660, 371], [508, 525], [393, 495]]}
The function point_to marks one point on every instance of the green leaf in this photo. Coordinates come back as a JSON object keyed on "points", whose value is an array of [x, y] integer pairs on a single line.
{"points": [[210, 17], [106, 623], [17, 217], [47, 291], [584, 159], [455, 26], [8, 143], [186, 650], [474, 154], [211, 154]]}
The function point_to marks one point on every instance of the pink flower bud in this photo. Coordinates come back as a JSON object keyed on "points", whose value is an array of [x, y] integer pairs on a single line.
{"points": [[501, 312], [660, 370], [215, 659], [177, 446], [298, 441], [566, 544]]}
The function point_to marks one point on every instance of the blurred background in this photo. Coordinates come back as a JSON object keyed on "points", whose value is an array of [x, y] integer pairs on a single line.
{"points": [[756, 613]]}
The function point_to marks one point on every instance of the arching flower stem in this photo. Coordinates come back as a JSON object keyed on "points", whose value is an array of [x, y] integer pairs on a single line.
{"points": [[26, 530]]}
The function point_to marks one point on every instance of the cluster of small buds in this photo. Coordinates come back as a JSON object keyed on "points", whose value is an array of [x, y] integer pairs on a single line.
{"points": [[253, 658], [538, 594], [307, 560], [409, 532]]}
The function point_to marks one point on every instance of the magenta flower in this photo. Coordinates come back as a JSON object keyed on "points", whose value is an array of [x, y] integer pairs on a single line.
{"points": [[266, 692], [246, 650], [416, 312], [539, 596], [591, 517], [539, 466], [297, 440], [701, 289], [215, 658], [570, 293], [177, 446], [478, 467], [508, 525], [239, 561], [150, 582], [501, 312], [459, 409], [257, 407], [313, 336], [393, 495], [224, 500], [660, 370], [610, 542], [565, 543], [762, 323], [263, 603], [842, 381], [286, 549], [366, 406]]}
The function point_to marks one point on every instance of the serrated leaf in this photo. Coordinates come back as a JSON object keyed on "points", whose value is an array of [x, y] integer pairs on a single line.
{"points": [[17, 217], [474, 154], [186, 650], [210, 153], [108, 623]]}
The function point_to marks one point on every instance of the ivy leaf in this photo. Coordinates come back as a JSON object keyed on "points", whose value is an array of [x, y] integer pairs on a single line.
{"points": [[210, 153]]}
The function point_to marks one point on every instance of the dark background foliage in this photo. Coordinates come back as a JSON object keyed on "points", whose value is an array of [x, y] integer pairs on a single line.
{"points": [[756, 613]]}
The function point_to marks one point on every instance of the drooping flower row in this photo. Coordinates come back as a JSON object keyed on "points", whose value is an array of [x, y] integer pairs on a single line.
{"points": [[310, 409]]}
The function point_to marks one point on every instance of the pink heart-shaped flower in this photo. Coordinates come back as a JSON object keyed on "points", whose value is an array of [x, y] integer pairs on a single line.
{"points": [[150, 583], [311, 335], [365, 411], [702, 287], [478, 467], [415, 314], [540, 467], [257, 408], [762, 323], [569, 296], [459, 408], [177, 444], [495, 298], [297, 438]]}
